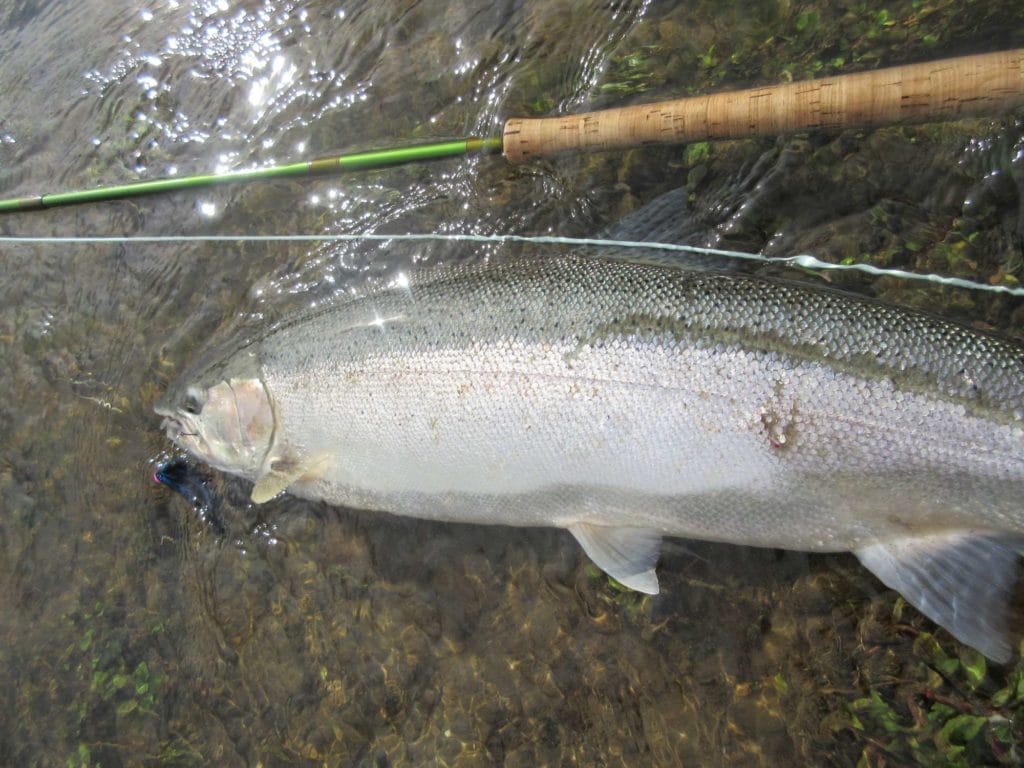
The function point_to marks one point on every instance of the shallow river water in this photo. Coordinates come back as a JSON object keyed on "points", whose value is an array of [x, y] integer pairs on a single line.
{"points": [[132, 633]]}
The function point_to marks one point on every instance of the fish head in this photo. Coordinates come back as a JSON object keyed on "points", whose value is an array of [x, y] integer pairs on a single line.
{"points": [[226, 422]]}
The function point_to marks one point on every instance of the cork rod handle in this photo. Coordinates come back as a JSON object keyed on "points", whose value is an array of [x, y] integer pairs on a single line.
{"points": [[934, 91]]}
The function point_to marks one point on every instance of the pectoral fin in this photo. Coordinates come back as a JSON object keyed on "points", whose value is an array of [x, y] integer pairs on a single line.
{"points": [[961, 581], [282, 474], [628, 555]]}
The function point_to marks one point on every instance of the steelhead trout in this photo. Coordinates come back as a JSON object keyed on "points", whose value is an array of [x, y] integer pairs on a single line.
{"points": [[629, 401]]}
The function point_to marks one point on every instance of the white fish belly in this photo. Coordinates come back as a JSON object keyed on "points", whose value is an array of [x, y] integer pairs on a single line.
{"points": [[727, 444]]}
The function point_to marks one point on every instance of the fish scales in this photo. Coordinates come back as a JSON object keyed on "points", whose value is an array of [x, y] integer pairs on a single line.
{"points": [[628, 401]]}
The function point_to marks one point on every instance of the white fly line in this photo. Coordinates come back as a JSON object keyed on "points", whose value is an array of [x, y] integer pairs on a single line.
{"points": [[802, 261]]}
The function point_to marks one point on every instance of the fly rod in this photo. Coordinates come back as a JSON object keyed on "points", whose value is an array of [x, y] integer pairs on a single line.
{"points": [[949, 89], [935, 91], [359, 161]]}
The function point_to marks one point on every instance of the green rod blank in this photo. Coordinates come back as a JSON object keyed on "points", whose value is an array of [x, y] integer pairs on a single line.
{"points": [[360, 161]]}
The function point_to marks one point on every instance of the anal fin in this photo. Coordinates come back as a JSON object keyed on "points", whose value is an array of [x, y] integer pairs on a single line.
{"points": [[628, 555], [962, 581]]}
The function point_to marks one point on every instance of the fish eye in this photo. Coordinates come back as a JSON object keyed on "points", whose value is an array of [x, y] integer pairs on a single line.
{"points": [[192, 404]]}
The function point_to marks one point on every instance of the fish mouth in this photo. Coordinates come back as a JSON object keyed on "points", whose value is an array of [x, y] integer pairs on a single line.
{"points": [[184, 434], [176, 430]]}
